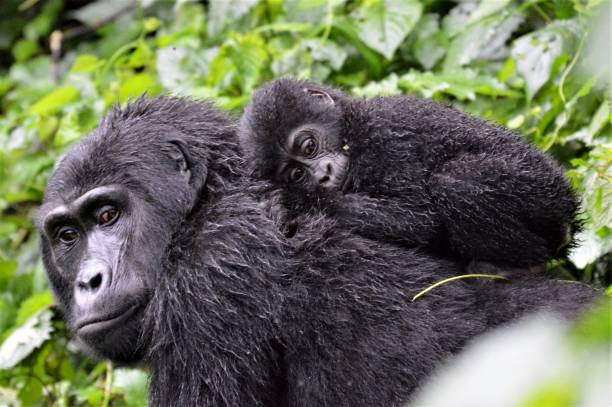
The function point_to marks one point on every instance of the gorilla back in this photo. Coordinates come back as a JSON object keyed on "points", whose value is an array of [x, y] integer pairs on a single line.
{"points": [[158, 252]]}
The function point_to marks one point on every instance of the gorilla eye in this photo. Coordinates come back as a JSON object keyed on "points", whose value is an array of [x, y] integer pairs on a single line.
{"points": [[108, 215], [68, 235], [297, 175], [309, 147]]}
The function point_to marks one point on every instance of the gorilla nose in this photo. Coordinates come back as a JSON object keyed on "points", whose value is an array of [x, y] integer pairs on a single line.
{"points": [[92, 278], [327, 172], [91, 283]]}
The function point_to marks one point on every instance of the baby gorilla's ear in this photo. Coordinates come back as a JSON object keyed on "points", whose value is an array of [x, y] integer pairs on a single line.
{"points": [[320, 95]]}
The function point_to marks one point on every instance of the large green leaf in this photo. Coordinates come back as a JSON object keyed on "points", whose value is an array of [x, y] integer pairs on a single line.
{"points": [[32, 305], [221, 13], [430, 44], [33, 333], [137, 85], [383, 24], [249, 55], [463, 84], [536, 52], [484, 39], [87, 63], [56, 100]]}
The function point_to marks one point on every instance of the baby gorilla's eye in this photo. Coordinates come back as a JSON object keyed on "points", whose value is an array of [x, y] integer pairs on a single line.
{"points": [[309, 147], [68, 235], [297, 175], [108, 215]]}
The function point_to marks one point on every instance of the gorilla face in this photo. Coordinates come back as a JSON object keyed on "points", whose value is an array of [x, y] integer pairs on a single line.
{"points": [[103, 289], [104, 227], [312, 157]]}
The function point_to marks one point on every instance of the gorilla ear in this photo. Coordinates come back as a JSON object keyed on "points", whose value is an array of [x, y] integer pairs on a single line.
{"points": [[178, 152], [320, 95]]}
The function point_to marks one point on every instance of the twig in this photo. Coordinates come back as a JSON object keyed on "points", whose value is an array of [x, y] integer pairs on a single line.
{"points": [[108, 384], [55, 44], [569, 69], [448, 280]]}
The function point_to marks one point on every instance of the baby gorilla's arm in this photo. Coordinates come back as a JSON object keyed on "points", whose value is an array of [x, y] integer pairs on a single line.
{"points": [[409, 222]]}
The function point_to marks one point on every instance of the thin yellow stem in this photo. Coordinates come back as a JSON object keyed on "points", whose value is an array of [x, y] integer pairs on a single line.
{"points": [[448, 280]]}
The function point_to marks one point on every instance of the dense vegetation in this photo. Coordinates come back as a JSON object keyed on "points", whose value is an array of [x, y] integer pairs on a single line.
{"points": [[541, 67]]}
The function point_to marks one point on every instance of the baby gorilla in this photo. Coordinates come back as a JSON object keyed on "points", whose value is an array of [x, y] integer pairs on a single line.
{"points": [[409, 171]]}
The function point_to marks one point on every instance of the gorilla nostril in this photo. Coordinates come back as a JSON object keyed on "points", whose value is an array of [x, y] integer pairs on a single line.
{"points": [[96, 281], [93, 283], [324, 179], [329, 168]]}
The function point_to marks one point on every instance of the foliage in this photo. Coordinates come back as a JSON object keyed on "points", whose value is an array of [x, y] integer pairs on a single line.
{"points": [[535, 66]]}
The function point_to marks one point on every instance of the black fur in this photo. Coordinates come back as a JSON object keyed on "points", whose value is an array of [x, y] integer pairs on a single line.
{"points": [[238, 316], [420, 174]]}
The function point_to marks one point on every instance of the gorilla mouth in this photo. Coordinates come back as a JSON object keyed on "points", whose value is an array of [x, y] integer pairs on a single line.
{"points": [[101, 323]]}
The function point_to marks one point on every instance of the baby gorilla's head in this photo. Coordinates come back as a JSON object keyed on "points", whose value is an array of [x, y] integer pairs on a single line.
{"points": [[292, 135]]}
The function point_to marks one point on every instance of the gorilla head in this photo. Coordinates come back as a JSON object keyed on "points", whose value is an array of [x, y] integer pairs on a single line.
{"points": [[292, 135], [112, 206]]}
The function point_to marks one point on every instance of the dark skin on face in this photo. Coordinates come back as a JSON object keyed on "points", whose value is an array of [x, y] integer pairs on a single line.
{"points": [[97, 249], [312, 157]]}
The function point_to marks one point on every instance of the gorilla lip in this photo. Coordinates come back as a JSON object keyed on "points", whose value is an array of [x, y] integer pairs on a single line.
{"points": [[105, 322]]}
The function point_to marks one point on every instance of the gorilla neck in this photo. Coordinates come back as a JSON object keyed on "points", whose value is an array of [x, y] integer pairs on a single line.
{"points": [[225, 304]]}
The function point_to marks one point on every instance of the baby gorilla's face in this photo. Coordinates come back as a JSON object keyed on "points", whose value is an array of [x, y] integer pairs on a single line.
{"points": [[313, 158]]}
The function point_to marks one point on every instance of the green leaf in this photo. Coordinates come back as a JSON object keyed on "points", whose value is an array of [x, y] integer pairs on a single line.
{"points": [[249, 55], [508, 70], [596, 326], [383, 24], [284, 27], [32, 334], [92, 394], [430, 44], [151, 24], [101, 10], [327, 51], [56, 100], [87, 63], [457, 19], [221, 13], [348, 33], [463, 84], [7, 313], [536, 52], [600, 119], [487, 8], [24, 49], [553, 393], [133, 383], [137, 85], [485, 39], [387, 87], [34, 304], [7, 270]]}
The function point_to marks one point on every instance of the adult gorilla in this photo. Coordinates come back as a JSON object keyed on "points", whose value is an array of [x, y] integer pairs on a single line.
{"points": [[158, 251]]}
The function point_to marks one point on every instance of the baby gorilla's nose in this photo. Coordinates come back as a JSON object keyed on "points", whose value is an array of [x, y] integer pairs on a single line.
{"points": [[327, 172]]}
